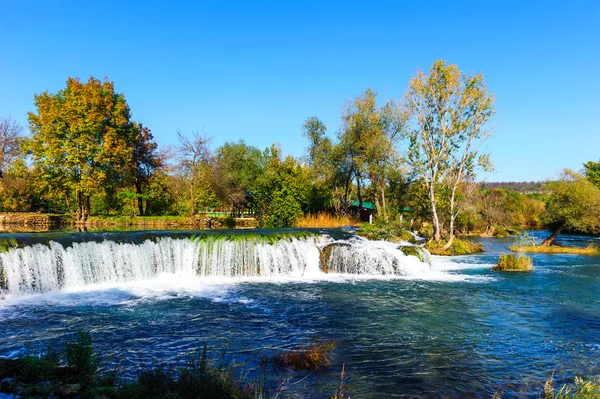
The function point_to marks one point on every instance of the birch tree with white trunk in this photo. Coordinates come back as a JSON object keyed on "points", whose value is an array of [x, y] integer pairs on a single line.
{"points": [[448, 114]]}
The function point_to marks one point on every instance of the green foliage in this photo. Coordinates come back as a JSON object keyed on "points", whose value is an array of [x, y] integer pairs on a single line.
{"points": [[513, 263], [458, 247], [592, 172], [580, 389], [500, 231], [281, 192], [6, 244], [385, 230], [37, 369], [448, 111], [80, 355], [574, 203]]}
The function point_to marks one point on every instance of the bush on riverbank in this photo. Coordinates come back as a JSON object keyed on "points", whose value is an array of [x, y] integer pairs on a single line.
{"points": [[387, 231], [458, 247], [513, 263]]}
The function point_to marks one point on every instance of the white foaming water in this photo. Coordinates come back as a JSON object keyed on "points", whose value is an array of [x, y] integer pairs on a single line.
{"points": [[111, 272], [42, 268], [380, 258]]}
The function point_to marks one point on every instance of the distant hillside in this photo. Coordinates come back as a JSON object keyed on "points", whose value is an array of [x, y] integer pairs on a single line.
{"points": [[524, 187]]}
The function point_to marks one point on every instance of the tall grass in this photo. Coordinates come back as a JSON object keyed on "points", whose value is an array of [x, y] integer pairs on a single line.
{"points": [[313, 356], [581, 389], [513, 263], [555, 249], [324, 219]]}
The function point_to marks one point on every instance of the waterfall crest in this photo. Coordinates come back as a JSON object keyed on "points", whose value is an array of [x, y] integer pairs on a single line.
{"points": [[41, 268]]}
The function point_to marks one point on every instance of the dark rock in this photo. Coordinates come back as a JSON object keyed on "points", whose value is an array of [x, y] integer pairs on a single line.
{"points": [[10, 368]]}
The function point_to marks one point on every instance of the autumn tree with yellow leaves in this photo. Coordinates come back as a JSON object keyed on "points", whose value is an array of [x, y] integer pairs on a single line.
{"points": [[80, 136]]}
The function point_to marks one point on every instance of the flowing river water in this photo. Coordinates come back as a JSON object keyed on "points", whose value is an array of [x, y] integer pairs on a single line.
{"points": [[405, 328]]}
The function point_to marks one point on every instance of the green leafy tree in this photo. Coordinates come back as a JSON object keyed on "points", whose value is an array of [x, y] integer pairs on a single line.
{"points": [[145, 162], [592, 172], [80, 137], [448, 112], [281, 192], [236, 169], [574, 204]]}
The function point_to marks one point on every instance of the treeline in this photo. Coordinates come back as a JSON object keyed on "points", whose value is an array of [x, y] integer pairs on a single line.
{"points": [[416, 158], [521, 187]]}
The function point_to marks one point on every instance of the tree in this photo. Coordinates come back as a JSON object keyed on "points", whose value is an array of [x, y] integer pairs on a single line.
{"points": [[80, 136], [194, 164], [367, 141], [592, 172], [574, 204], [281, 191], [145, 162], [448, 110], [236, 168], [10, 142]]}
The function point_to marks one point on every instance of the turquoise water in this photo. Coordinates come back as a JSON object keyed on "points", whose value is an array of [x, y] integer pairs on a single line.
{"points": [[465, 332]]}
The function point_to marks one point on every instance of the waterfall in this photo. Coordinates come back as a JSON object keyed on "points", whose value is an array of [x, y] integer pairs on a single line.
{"points": [[361, 256], [47, 267]]}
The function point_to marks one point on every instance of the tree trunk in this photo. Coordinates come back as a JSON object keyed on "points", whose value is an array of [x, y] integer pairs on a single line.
{"points": [[550, 239], [383, 205], [192, 205], [140, 200], [437, 236], [360, 201], [347, 192], [452, 217]]}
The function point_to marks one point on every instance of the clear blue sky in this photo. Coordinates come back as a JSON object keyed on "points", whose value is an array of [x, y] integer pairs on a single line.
{"points": [[256, 70]]}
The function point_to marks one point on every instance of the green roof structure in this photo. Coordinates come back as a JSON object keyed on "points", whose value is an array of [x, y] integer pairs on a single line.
{"points": [[365, 204]]}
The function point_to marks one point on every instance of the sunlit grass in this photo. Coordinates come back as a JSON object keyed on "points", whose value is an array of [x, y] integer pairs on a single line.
{"points": [[513, 263], [555, 249], [313, 356], [458, 247], [324, 219]]}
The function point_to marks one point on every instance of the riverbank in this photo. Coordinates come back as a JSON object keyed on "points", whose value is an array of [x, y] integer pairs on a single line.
{"points": [[25, 222]]}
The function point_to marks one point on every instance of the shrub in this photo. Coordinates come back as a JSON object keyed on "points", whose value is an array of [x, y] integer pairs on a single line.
{"points": [[80, 355], [500, 231], [513, 263], [388, 231], [230, 222], [458, 247], [581, 389], [314, 356]]}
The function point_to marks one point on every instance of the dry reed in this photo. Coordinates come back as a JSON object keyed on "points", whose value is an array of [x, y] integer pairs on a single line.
{"points": [[324, 219], [310, 357]]}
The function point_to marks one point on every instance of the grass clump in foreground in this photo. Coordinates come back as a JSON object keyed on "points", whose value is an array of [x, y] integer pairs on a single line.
{"points": [[458, 247], [72, 372], [324, 219], [581, 389], [513, 263], [313, 356]]}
